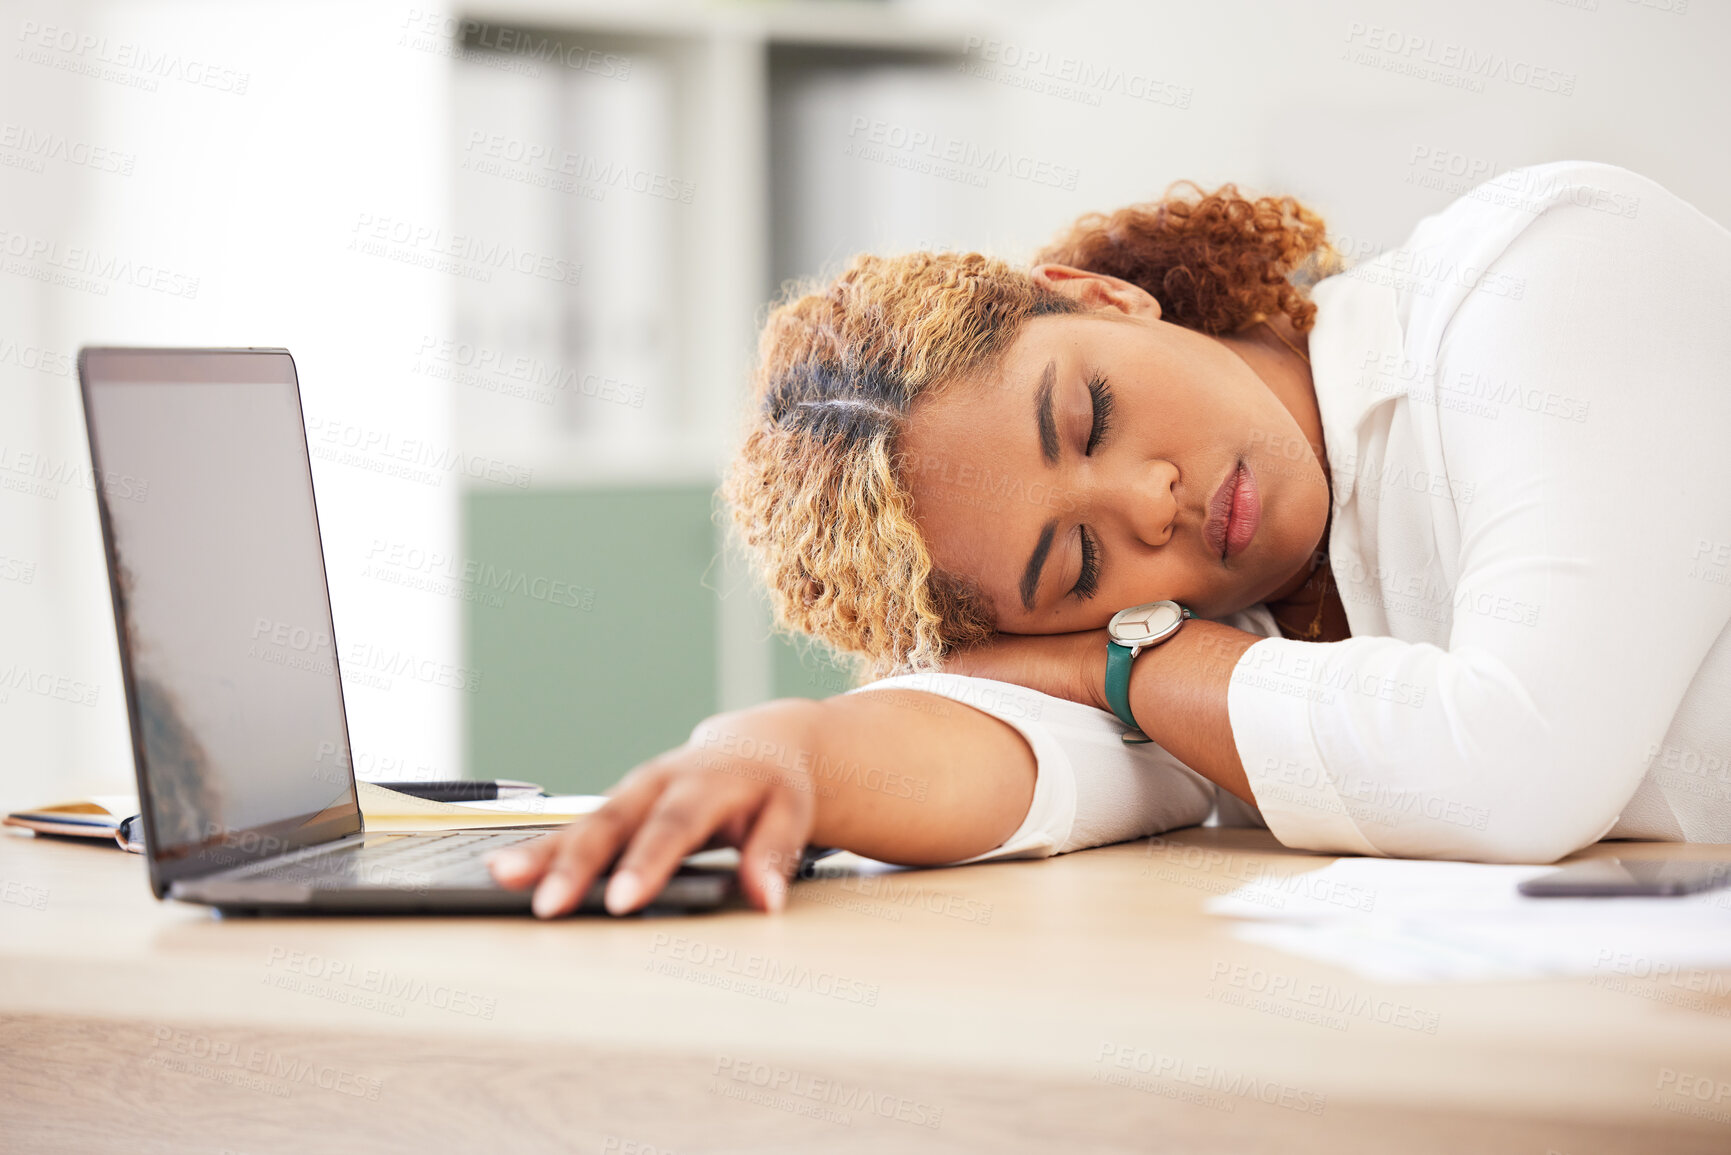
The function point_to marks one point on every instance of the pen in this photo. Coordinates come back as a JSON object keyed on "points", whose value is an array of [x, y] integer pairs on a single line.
{"points": [[463, 790]]}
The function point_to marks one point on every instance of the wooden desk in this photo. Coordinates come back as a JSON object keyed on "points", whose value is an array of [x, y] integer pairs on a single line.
{"points": [[1082, 1004]]}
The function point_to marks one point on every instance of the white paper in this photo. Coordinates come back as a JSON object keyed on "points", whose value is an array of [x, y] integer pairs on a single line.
{"points": [[1398, 921]]}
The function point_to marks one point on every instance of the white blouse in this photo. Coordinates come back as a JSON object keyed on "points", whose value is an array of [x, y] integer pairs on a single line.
{"points": [[1527, 414]]}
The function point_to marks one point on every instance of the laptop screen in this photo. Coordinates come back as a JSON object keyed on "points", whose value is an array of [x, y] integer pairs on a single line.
{"points": [[220, 593]]}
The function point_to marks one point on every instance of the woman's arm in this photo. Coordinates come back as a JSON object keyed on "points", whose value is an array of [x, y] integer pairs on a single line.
{"points": [[1177, 689], [897, 775]]}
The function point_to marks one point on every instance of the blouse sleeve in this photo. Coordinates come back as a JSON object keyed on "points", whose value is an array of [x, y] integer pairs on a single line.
{"points": [[1578, 621], [1090, 788]]}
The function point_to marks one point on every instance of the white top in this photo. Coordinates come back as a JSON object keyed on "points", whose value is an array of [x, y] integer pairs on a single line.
{"points": [[1090, 788], [1527, 410]]}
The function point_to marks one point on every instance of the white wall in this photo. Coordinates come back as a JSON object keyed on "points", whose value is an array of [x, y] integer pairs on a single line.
{"points": [[250, 157], [1278, 96]]}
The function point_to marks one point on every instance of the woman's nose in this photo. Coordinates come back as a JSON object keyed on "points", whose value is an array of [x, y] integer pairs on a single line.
{"points": [[1152, 508]]}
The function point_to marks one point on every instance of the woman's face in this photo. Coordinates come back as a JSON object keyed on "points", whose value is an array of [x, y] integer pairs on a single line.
{"points": [[1113, 458]]}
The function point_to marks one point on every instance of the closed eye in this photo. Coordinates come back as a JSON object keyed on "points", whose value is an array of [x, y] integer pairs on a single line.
{"points": [[1100, 394], [1089, 579]]}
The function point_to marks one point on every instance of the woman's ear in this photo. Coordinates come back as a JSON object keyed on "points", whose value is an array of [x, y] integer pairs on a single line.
{"points": [[1098, 290]]}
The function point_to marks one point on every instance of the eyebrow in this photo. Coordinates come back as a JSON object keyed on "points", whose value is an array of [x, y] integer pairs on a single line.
{"points": [[1037, 562], [1043, 414]]}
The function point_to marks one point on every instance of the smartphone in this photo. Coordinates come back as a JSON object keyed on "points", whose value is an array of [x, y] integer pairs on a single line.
{"points": [[1611, 877]]}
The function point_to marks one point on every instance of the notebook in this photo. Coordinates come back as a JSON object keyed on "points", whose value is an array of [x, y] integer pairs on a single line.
{"points": [[98, 816], [103, 816]]}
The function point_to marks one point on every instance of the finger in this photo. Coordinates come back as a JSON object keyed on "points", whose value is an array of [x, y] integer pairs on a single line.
{"points": [[587, 846], [681, 822], [518, 866], [525, 864], [772, 850], [732, 831]]}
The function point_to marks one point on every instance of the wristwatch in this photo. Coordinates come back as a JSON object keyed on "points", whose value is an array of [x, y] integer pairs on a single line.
{"points": [[1129, 633]]}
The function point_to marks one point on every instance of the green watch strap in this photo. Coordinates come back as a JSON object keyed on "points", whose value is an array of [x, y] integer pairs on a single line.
{"points": [[1119, 661]]}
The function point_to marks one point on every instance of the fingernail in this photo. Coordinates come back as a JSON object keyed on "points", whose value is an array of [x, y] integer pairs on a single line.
{"points": [[623, 891], [509, 862], [775, 891], [552, 896]]}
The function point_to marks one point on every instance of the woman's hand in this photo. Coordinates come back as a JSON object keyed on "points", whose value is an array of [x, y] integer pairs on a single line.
{"points": [[701, 794], [896, 775], [1069, 666]]}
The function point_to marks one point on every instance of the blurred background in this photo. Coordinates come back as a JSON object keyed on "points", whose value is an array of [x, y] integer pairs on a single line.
{"points": [[519, 249]]}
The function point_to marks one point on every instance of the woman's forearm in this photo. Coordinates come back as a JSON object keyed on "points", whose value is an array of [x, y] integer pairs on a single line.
{"points": [[1178, 693], [897, 775], [1177, 689]]}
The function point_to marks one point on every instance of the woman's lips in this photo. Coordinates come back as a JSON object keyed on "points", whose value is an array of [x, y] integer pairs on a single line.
{"points": [[1234, 512], [1246, 512]]}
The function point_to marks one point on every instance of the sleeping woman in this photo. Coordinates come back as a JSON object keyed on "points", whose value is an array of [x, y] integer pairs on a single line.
{"points": [[1426, 557]]}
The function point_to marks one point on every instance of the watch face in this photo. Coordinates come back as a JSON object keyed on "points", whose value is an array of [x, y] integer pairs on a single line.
{"points": [[1145, 625]]}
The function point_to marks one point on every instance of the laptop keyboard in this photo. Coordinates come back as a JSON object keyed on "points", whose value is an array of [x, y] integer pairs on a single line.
{"points": [[413, 862]]}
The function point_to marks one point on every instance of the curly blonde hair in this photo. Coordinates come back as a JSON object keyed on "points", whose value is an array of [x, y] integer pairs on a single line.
{"points": [[818, 491]]}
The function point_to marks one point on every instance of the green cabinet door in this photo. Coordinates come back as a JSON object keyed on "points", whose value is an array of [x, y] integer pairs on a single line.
{"points": [[592, 628]]}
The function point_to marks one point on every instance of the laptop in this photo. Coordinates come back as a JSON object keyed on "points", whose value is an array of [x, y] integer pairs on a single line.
{"points": [[239, 737]]}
